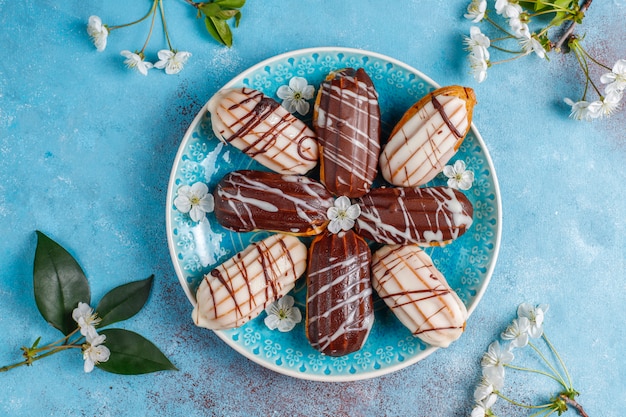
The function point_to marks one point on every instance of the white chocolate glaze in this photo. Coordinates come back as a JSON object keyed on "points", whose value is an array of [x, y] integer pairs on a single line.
{"points": [[258, 126], [242, 287], [418, 294], [422, 146]]}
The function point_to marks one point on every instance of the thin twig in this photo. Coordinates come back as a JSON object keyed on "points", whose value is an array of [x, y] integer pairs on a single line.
{"points": [[570, 30], [575, 404]]}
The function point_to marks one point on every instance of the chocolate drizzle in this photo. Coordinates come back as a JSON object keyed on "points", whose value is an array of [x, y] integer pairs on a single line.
{"points": [[445, 118]]}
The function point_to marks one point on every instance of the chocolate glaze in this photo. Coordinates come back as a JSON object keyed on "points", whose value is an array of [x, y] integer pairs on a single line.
{"points": [[249, 200], [425, 216], [339, 312], [347, 123]]}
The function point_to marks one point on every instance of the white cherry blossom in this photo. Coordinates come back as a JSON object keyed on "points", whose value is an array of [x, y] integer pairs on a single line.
{"points": [[173, 62], [530, 44], [616, 79], [517, 332], [478, 43], [134, 60], [458, 176], [282, 314], [493, 362], [98, 32], [478, 66], [535, 316], [195, 200], [86, 318], [95, 352], [476, 10], [295, 95], [342, 215], [580, 109]]}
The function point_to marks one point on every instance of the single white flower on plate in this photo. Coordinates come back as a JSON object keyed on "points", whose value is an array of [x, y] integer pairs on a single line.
{"points": [[458, 176], [517, 332], [195, 200], [616, 79], [342, 215], [98, 32], [295, 95], [580, 109], [95, 352], [476, 10], [483, 407], [282, 314], [530, 44], [478, 66], [172, 62], [493, 362], [86, 318], [535, 316], [134, 60], [478, 43]]}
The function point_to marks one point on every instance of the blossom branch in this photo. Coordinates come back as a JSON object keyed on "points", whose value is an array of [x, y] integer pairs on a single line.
{"points": [[573, 403], [569, 32]]}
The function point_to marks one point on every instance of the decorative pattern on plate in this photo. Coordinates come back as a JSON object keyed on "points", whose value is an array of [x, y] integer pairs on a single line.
{"points": [[196, 248]]}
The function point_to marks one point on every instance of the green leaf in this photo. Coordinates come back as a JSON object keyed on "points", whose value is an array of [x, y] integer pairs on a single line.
{"points": [[226, 14], [132, 354], [210, 9], [219, 30], [59, 284], [231, 4], [123, 302]]}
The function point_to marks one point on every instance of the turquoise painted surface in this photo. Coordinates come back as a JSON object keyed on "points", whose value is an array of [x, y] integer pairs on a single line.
{"points": [[86, 149]]}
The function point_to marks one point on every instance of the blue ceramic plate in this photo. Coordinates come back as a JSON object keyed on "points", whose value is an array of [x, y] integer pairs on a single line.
{"points": [[196, 248]]}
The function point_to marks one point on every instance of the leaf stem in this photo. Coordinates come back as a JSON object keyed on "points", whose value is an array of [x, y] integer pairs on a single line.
{"points": [[110, 28], [153, 11], [558, 357], [536, 371], [552, 368], [519, 404], [167, 36], [28, 361]]}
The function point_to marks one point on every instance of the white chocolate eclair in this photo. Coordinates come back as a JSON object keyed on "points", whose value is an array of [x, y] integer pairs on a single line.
{"points": [[427, 136], [418, 294], [264, 130], [243, 286]]}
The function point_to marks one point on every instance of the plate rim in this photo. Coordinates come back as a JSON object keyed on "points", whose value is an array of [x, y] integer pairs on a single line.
{"points": [[221, 334]]}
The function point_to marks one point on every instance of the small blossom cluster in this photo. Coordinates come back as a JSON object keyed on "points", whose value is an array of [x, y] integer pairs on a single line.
{"points": [[94, 351], [528, 324], [529, 35], [170, 60], [518, 20], [607, 103], [526, 327]]}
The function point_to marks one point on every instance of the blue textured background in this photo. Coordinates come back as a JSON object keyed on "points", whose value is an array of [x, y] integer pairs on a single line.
{"points": [[86, 148]]}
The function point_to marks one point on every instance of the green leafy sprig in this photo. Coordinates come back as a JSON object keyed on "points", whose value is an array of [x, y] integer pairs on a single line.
{"points": [[60, 285], [216, 15]]}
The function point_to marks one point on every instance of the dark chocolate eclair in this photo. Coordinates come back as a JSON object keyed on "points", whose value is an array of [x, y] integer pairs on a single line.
{"points": [[249, 200], [429, 216], [346, 119], [339, 310]]}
